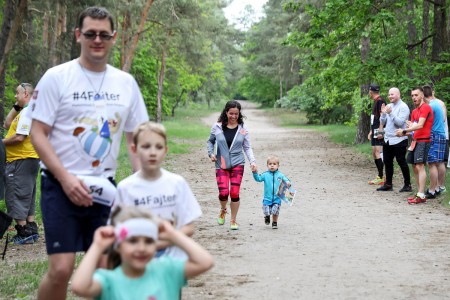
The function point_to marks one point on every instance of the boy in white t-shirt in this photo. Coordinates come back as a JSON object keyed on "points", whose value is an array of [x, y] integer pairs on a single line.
{"points": [[166, 194]]}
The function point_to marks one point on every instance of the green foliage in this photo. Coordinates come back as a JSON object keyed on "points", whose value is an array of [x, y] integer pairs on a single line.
{"points": [[271, 64], [258, 88], [332, 65], [144, 69]]}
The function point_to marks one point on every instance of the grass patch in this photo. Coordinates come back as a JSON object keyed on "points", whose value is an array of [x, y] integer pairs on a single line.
{"points": [[21, 280]]}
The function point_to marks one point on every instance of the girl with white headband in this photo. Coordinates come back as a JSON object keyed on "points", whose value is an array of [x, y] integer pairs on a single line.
{"points": [[136, 274]]}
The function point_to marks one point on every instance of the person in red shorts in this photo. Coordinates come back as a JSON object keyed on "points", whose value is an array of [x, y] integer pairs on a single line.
{"points": [[420, 129]]}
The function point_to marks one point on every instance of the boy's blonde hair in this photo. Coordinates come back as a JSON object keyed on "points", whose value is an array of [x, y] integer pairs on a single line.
{"points": [[119, 215], [273, 157], [149, 126]]}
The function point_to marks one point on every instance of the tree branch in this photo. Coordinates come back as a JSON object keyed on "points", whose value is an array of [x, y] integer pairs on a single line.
{"points": [[412, 46], [434, 3]]}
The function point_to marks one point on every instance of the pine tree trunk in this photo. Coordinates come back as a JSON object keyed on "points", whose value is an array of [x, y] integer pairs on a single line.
{"points": [[425, 29], [440, 43], [132, 48], [412, 34], [364, 119], [161, 86], [6, 34]]}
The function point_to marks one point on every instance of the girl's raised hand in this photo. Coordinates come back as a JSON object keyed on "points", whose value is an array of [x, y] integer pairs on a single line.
{"points": [[166, 230], [104, 236]]}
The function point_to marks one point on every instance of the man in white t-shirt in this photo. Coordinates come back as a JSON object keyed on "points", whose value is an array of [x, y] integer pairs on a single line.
{"points": [[80, 110]]}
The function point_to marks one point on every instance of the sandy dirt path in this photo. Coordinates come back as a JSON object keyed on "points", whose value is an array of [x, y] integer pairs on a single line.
{"points": [[340, 240]]}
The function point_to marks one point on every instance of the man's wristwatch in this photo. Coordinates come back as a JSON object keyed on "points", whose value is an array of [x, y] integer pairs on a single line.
{"points": [[17, 107], [404, 131]]}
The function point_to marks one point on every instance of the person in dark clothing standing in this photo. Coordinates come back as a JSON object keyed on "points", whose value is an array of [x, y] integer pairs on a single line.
{"points": [[376, 138]]}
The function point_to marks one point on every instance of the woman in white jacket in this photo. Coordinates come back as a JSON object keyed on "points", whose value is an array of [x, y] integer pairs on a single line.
{"points": [[231, 138]]}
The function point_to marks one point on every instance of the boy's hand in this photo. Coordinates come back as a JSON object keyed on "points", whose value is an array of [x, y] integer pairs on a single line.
{"points": [[254, 168], [288, 184]]}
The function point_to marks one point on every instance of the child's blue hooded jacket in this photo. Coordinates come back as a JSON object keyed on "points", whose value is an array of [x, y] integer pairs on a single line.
{"points": [[272, 182]]}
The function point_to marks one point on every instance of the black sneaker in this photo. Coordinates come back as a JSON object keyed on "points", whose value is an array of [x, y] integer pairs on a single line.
{"points": [[23, 236], [406, 188], [22, 240], [385, 187], [274, 225], [32, 226], [267, 220], [429, 195]]}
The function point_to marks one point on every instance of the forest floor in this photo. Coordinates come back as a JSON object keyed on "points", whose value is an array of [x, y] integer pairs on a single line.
{"points": [[340, 239]]}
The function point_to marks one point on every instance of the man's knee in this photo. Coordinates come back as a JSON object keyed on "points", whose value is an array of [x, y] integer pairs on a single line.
{"points": [[60, 267]]}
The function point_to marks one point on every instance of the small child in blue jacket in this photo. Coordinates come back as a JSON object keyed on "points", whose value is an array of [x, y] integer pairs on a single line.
{"points": [[272, 179]]}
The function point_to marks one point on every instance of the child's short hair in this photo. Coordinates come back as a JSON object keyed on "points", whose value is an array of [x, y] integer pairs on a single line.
{"points": [[149, 126], [121, 214], [273, 157]]}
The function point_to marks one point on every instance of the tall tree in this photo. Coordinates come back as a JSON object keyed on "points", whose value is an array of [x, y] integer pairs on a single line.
{"points": [[10, 24], [130, 39]]}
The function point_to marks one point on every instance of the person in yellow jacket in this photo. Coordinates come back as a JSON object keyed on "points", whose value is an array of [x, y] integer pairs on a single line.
{"points": [[22, 167]]}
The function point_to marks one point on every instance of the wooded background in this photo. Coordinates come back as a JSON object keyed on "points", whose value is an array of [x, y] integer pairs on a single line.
{"points": [[314, 56]]}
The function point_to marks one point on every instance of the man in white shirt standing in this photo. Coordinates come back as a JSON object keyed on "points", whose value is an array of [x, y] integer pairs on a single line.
{"points": [[80, 110], [393, 117]]}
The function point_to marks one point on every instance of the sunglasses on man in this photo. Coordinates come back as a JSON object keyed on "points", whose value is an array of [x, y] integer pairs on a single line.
{"points": [[92, 35]]}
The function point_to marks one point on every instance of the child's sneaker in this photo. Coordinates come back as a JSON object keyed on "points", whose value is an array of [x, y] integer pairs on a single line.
{"points": [[274, 225], [221, 218], [417, 200], [440, 190], [267, 220]]}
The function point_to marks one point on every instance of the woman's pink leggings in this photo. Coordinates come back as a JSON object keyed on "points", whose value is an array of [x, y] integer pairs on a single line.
{"points": [[229, 182]]}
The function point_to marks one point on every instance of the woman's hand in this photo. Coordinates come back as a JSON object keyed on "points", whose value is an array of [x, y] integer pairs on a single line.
{"points": [[213, 158]]}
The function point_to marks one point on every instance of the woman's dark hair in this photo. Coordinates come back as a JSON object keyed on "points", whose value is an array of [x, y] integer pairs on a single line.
{"points": [[223, 116], [98, 13]]}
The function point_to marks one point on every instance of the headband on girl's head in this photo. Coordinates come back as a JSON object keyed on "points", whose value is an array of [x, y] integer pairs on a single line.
{"points": [[135, 227]]}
